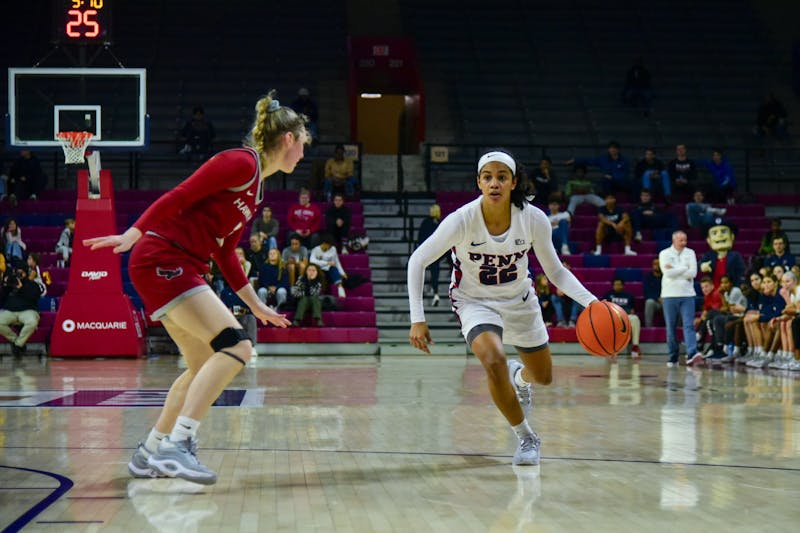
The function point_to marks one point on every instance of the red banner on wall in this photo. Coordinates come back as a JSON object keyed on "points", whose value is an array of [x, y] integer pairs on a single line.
{"points": [[95, 318]]}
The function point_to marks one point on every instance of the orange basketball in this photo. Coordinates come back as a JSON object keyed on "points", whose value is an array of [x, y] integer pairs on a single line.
{"points": [[603, 329]]}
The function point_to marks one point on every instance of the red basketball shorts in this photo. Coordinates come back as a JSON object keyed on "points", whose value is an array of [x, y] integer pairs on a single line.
{"points": [[164, 275]]}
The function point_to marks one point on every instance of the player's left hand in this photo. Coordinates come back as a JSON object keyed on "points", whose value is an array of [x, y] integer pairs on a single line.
{"points": [[268, 316], [420, 336]]}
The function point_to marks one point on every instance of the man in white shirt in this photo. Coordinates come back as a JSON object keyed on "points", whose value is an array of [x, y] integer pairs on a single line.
{"points": [[679, 266]]}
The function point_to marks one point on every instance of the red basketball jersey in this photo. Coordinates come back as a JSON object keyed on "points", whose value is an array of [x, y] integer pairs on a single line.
{"points": [[206, 214]]}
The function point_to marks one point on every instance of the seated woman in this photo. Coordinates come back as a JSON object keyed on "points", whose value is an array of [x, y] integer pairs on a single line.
{"points": [[15, 247], [273, 281], [306, 291]]}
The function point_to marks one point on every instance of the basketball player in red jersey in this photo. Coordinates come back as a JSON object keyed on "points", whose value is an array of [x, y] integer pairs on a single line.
{"points": [[204, 217]]}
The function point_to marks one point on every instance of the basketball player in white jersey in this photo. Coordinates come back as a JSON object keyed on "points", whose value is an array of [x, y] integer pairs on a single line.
{"points": [[490, 290]]}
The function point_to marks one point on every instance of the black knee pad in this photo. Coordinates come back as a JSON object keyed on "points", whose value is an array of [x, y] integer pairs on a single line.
{"points": [[228, 338]]}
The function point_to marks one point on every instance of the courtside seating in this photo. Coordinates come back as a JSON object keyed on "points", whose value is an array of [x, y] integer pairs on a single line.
{"points": [[43, 220]]}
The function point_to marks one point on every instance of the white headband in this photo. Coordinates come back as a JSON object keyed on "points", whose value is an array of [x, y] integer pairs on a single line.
{"points": [[500, 157]]}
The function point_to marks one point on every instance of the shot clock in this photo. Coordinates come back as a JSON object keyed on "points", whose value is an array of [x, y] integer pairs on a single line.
{"points": [[83, 21]]}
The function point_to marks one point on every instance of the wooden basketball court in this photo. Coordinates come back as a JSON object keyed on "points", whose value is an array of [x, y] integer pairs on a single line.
{"points": [[404, 444]]}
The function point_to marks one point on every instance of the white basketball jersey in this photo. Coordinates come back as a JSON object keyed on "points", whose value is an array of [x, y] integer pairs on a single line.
{"points": [[488, 270], [485, 268]]}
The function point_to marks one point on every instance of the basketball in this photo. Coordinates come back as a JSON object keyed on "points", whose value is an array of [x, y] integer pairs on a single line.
{"points": [[603, 329]]}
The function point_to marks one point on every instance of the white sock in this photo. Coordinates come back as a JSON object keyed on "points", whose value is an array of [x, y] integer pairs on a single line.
{"points": [[184, 428], [153, 439], [518, 379], [522, 429]]}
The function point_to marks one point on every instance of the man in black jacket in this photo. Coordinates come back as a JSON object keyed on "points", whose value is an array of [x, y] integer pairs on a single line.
{"points": [[337, 220], [19, 306]]}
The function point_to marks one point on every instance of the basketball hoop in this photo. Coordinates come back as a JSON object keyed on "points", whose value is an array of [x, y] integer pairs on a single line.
{"points": [[74, 144]]}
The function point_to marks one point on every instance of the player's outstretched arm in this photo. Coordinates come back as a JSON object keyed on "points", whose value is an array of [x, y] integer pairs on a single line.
{"points": [[420, 336], [121, 243]]}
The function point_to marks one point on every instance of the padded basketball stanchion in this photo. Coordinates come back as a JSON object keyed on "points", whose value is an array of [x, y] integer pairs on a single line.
{"points": [[95, 317]]}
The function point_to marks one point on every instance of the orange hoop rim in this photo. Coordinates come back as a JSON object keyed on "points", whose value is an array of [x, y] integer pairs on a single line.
{"points": [[76, 139]]}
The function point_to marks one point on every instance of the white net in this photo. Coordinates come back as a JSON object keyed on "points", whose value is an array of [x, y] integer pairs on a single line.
{"points": [[74, 144]]}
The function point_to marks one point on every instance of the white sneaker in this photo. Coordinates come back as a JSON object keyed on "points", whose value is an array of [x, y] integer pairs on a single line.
{"points": [[178, 459], [138, 466], [598, 251], [342, 294], [565, 249], [638, 236], [435, 300], [628, 251], [528, 451], [524, 394]]}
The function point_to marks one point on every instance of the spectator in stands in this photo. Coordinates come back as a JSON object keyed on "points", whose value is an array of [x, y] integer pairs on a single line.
{"points": [[337, 221], [559, 221], [64, 244], [727, 326], [19, 305], [295, 257], [771, 120], [273, 281], [307, 292], [652, 294], [722, 259], [304, 219], [579, 190], [779, 256], [247, 266], [647, 215], [14, 245], [303, 104], [198, 133], [25, 178], [339, 174], [35, 272], [562, 302], [615, 168], [3, 264], [679, 265], [327, 259], [770, 305], [712, 303], [256, 254], [790, 292], [543, 293], [649, 168], [613, 223], [682, 171], [266, 228], [699, 213], [723, 179], [426, 229], [545, 182], [638, 91], [750, 320], [774, 232], [625, 300]]}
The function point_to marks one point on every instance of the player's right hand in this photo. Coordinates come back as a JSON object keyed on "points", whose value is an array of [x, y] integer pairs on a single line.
{"points": [[420, 336]]}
